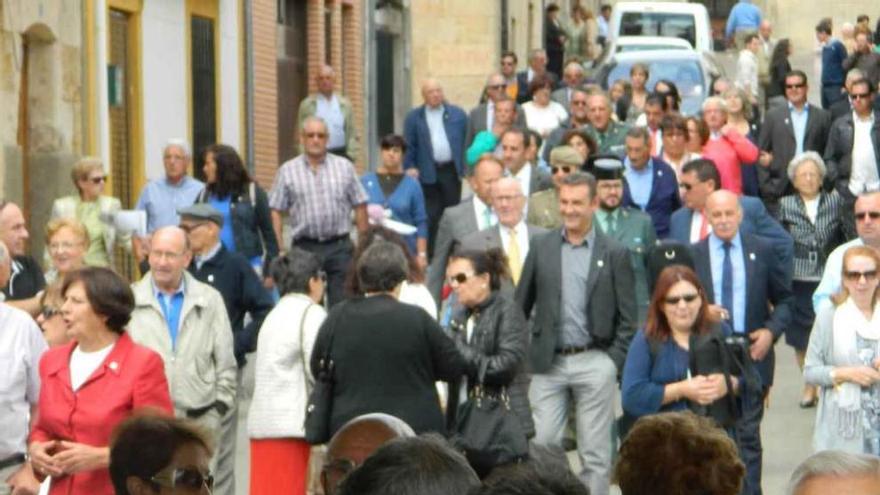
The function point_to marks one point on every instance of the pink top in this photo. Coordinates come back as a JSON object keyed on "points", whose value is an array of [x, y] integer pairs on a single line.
{"points": [[729, 151]]}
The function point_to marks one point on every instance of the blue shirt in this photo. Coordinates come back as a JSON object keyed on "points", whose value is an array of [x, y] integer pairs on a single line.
{"points": [[833, 55], [439, 141], [644, 378], [161, 200], [716, 254], [227, 236], [407, 204], [330, 110], [743, 15], [640, 182], [799, 124], [171, 307]]}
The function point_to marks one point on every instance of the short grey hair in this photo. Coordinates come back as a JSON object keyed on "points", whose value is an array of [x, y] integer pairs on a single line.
{"points": [[382, 267], [181, 143], [293, 271], [717, 101], [806, 157], [311, 119], [833, 463]]}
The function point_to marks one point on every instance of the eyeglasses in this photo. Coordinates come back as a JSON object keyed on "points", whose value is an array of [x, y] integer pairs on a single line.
{"points": [[65, 246], [860, 96], [855, 276], [186, 478], [862, 215], [496, 86], [795, 86], [190, 227], [459, 278], [98, 180], [579, 103], [313, 135], [564, 168], [48, 312], [688, 298]]}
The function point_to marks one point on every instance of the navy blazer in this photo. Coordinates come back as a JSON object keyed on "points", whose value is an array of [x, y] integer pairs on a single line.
{"points": [[522, 84], [419, 153], [756, 221], [766, 282], [664, 199]]}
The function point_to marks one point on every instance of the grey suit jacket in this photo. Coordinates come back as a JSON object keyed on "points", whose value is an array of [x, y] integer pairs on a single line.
{"points": [[560, 96], [456, 222], [490, 238], [540, 180], [611, 307], [477, 122]]}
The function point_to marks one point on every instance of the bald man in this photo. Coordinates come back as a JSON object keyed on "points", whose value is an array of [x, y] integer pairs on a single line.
{"points": [[435, 136], [740, 276], [335, 110]]}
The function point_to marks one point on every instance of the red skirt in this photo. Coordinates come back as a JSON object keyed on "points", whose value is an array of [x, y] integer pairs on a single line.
{"points": [[279, 466]]}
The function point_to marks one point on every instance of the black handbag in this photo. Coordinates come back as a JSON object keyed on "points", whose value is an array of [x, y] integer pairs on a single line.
{"points": [[320, 404], [486, 428]]}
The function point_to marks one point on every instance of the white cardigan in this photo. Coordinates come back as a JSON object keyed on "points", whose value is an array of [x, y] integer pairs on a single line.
{"points": [[278, 406]]}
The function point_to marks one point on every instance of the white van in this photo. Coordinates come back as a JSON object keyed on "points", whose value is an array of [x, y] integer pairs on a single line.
{"points": [[688, 21]]}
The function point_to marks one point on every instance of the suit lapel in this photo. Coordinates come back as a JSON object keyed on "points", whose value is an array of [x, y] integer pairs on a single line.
{"points": [[704, 268], [493, 239], [470, 219], [597, 260], [789, 124], [749, 260]]}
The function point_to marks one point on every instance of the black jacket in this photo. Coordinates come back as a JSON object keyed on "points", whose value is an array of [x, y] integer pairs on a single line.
{"points": [[242, 291], [251, 224], [500, 339], [26, 279], [386, 357], [838, 152]]}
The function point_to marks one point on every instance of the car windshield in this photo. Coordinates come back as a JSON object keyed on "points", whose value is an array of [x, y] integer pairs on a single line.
{"points": [[659, 24], [641, 48], [686, 74]]}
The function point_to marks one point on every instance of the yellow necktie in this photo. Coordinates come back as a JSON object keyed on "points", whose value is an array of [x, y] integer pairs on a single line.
{"points": [[514, 261]]}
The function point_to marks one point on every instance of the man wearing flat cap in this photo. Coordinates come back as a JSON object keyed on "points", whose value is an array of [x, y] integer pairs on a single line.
{"points": [[544, 205], [234, 277], [628, 226]]}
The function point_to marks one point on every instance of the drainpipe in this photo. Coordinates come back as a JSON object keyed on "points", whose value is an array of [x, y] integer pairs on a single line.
{"points": [[250, 159]]}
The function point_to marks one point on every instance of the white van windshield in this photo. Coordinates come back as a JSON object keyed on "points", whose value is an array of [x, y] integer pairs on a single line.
{"points": [[659, 24]]}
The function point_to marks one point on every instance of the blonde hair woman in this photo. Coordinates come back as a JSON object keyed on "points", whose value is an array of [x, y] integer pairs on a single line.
{"points": [[67, 242], [94, 210]]}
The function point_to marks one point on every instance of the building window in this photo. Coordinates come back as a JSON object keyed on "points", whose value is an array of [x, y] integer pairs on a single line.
{"points": [[204, 84]]}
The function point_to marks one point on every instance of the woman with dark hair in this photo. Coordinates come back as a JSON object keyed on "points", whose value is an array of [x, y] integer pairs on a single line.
{"points": [[581, 141], [399, 195], [669, 90], [675, 139], [279, 453], [543, 114], [157, 454], [492, 335], [657, 375], [385, 354], [247, 221], [412, 291], [91, 384], [779, 68], [697, 134]]}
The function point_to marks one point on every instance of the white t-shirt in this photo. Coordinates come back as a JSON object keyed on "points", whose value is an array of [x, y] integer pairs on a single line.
{"points": [[863, 175], [83, 364], [812, 206]]}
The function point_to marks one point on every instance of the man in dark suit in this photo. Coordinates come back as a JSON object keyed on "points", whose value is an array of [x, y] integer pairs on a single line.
{"points": [[554, 39], [513, 151], [843, 106], [511, 234], [688, 225], [650, 185], [788, 131], [435, 134], [853, 152], [579, 284], [740, 276], [572, 79], [482, 116], [471, 215], [578, 118], [537, 66]]}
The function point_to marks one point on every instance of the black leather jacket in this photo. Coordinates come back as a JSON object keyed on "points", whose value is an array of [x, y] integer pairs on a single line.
{"points": [[501, 339]]}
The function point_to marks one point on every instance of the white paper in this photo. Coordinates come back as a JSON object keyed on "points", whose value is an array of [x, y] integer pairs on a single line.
{"points": [[131, 221]]}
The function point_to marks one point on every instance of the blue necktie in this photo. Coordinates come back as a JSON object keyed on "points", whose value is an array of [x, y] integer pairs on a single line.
{"points": [[727, 282]]}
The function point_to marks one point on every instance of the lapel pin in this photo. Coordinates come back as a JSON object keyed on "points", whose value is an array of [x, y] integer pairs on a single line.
{"points": [[752, 256], [659, 173], [786, 121], [670, 254], [211, 278], [113, 365], [600, 263]]}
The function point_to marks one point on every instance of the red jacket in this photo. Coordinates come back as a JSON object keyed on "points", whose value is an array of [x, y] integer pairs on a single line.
{"points": [[131, 377], [730, 152]]}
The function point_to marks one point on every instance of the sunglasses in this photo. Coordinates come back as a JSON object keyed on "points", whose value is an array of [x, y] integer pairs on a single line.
{"points": [[496, 86], [459, 278], [860, 96], [186, 478], [874, 215], [564, 168], [48, 312], [313, 135], [855, 276], [795, 86], [98, 180], [688, 298]]}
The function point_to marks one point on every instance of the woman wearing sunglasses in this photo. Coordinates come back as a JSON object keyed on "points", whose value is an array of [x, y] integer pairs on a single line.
{"points": [[94, 210], [657, 374], [153, 454], [843, 358], [50, 319], [491, 334], [813, 218]]}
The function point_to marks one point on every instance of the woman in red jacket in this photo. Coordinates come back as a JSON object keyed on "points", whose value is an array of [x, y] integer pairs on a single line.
{"points": [[91, 384]]}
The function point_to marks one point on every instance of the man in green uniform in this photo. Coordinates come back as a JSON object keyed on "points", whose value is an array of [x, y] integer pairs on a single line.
{"points": [[609, 135]]}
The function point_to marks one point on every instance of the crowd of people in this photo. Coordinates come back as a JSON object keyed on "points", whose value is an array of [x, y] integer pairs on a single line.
{"points": [[510, 269]]}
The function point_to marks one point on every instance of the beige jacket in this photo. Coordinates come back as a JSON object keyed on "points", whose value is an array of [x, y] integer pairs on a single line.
{"points": [[201, 369]]}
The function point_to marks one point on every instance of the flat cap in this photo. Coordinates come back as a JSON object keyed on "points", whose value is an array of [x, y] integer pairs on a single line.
{"points": [[202, 211], [566, 155]]}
